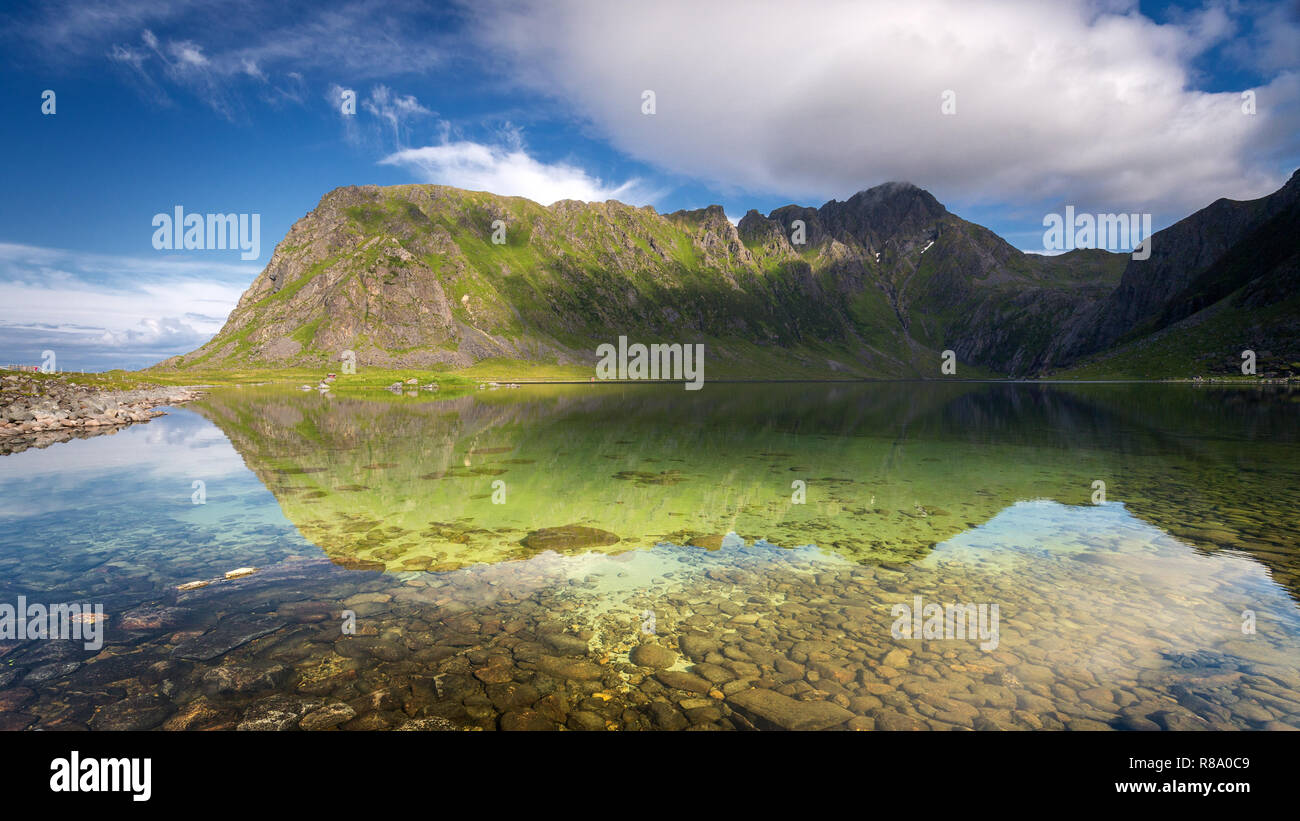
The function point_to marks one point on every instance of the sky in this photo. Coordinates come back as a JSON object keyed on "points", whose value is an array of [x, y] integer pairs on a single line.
{"points": [[1005, 111]]}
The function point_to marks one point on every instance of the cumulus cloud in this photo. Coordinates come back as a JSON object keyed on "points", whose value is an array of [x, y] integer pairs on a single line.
{"points": [[165, 332], [1085, 101], [98, 311], [508, 169]]}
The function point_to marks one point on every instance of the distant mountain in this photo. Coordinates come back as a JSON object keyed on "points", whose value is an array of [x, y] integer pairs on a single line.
{"points": [[881, 284]]}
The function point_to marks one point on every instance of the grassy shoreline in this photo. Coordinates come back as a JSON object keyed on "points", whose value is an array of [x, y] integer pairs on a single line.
{"points": [[369, 378]]}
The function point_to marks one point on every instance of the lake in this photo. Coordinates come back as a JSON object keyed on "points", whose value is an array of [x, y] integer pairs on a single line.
{"points": [[909, 555]]}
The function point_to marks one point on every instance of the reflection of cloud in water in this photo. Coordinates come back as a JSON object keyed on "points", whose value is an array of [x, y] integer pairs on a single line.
{"points": [[1114, 594], [169, 451], [634, 571]]}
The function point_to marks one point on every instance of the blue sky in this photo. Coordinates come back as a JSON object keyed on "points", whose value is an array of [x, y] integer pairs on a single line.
{"points": [[226, 107]]}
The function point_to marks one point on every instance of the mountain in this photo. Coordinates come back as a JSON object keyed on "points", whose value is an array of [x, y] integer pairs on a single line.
{"points": [[1221, 281], [881, 284]]}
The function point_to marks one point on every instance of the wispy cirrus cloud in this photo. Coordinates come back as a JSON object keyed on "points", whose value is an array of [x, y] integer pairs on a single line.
{"points": [[394, 110], [222, 53], [393, 114]]}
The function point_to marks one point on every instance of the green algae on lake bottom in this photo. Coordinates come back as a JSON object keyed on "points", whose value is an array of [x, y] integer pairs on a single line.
{"points": [[645, 561], [887, 471]]}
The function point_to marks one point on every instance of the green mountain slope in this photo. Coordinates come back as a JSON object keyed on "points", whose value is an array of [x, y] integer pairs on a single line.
{"points": [[876, 286]]}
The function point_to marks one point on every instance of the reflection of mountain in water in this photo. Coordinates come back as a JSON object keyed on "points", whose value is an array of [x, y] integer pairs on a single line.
{"points": [[890, 469]]}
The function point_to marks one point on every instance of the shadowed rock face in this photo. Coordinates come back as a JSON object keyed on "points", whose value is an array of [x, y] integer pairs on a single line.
{"points": [[1228, 249]]}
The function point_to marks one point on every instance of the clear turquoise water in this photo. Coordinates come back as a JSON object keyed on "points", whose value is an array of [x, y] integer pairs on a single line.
{"points": [[1122, 614]]}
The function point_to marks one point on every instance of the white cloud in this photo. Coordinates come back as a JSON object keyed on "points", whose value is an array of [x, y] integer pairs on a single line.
{"points": [[819, 99], [183, 446], [509, 170], [166, 332], [391, 106], [394, 109], [381, 121], [189, 53], [98, 310]]}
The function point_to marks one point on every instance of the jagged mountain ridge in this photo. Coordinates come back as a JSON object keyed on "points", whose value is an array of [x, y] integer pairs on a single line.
{"points": [[410, 276]]}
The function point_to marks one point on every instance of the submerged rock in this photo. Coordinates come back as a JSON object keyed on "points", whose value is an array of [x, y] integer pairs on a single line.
{"points": [[768, 707], [193, 715], [277, 713], [712, 542], [226, 636], [327, 717], [15, 698], [12, 722], [577, 669], [226, 680], [652, 655], [154, 617], [683, 681], [585, 720], [138, 713], [430, 724], [696, 646], [568, 537], [49, 672], [566, 643], [527, 721]]}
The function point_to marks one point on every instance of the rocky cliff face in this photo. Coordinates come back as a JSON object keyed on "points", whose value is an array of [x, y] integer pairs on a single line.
{"points": [[1218, 282], [877, 285], [1170, 286]]}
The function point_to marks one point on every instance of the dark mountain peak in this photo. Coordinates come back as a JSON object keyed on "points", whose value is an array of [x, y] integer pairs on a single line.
{"points": [[883, 212], [885, 190], [754, 223], [895, 196], [706, 216], [782, 219]]}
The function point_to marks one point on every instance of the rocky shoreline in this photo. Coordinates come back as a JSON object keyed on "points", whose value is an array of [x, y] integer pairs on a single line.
{"points": [[39, 411]]}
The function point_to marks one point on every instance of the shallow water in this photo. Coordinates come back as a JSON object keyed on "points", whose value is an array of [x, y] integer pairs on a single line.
{"points": [[751, 540]]}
